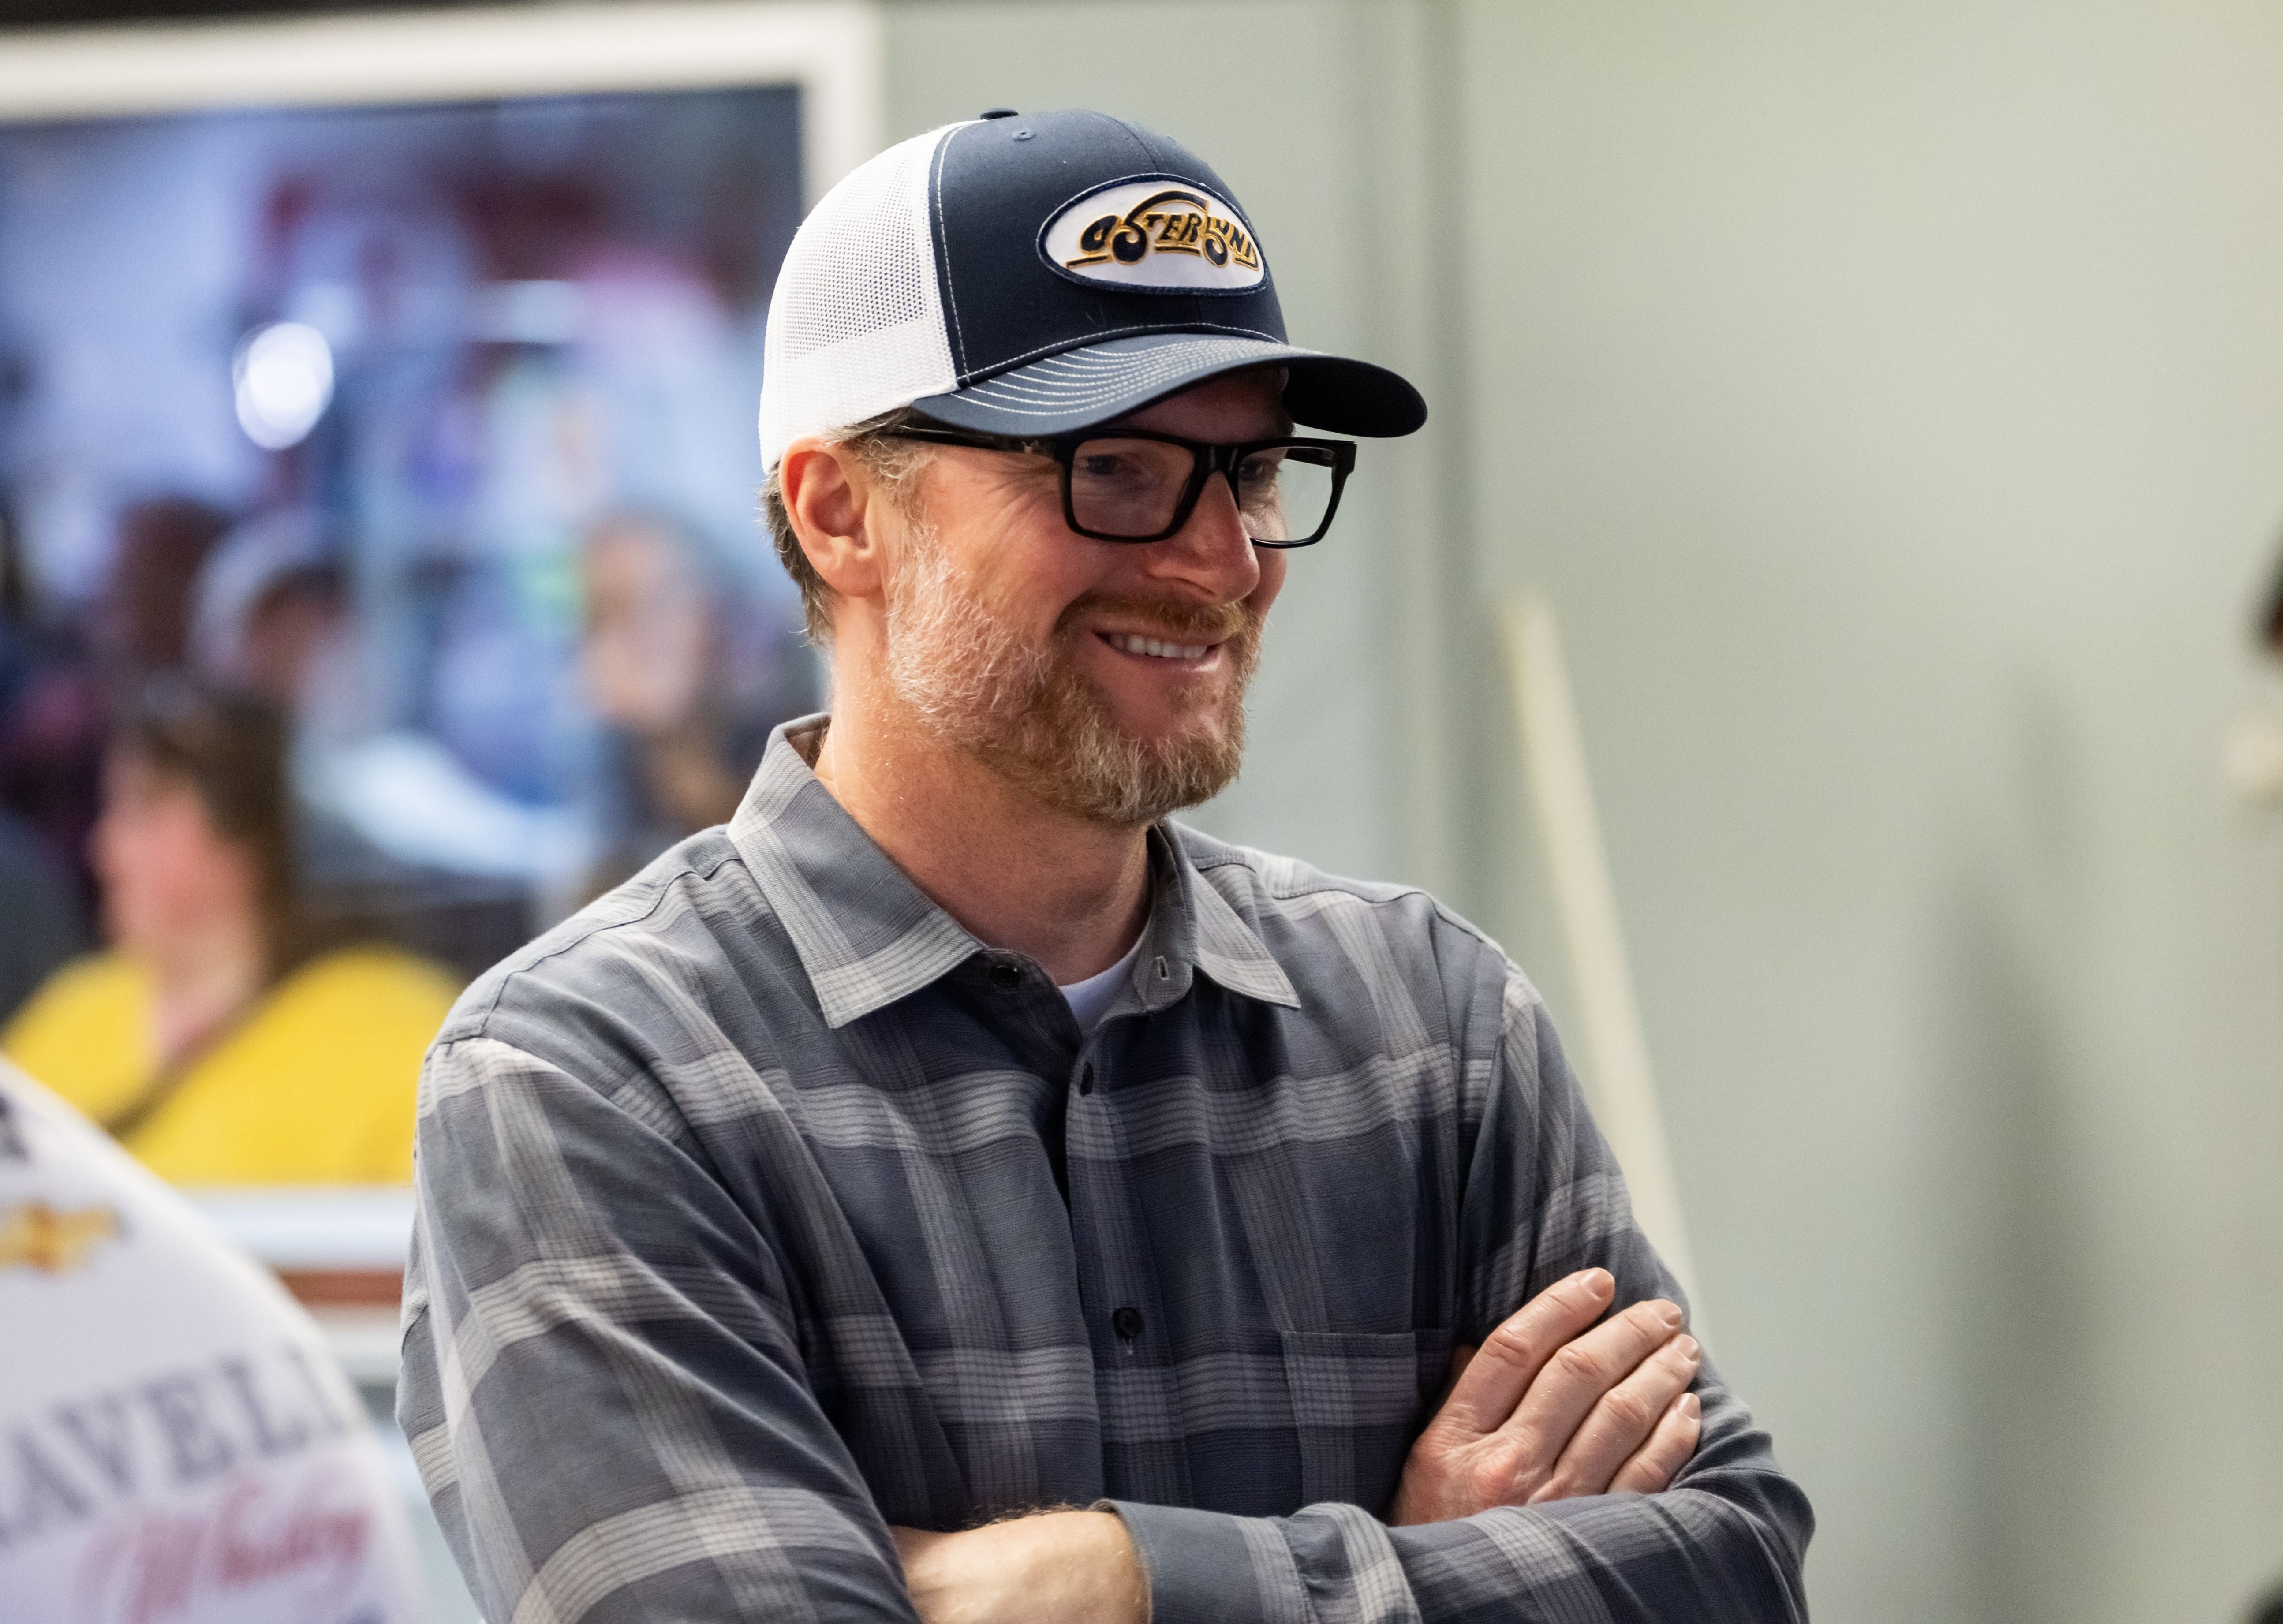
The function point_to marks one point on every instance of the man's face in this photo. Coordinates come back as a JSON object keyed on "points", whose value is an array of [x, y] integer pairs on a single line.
{"points": [[1031, 647]]}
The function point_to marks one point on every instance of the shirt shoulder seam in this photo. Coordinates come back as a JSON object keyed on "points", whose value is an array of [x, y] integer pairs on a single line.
{"points": [[480, 1026], [1362, 891]]}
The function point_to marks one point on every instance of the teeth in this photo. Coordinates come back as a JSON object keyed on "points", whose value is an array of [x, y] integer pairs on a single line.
{"points": [[1132, 644]]}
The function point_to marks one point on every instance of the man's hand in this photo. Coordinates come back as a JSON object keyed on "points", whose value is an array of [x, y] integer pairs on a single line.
{"points": [[1546, 1409], [1058, 1567], [1543, 1412]]}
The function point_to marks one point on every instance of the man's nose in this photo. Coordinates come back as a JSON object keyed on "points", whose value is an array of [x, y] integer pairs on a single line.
{"points": [[1211, 550]]}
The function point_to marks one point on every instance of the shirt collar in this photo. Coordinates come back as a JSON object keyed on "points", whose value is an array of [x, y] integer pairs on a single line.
{"points": [[1200, 928], [865, 934], [868, 936]]}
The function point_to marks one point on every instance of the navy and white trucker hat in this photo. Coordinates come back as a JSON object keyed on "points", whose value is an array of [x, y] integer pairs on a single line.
{"points": [[1035, 276]]}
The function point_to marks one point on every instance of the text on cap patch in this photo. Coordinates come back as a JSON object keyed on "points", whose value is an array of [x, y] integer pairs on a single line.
{"points": [[1154, 234]]}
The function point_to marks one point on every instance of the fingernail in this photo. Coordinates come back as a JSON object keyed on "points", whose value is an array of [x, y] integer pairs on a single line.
{"points": [[1600, 1281], [1671, 1316], [1687, 1406], [1688, 1349]]}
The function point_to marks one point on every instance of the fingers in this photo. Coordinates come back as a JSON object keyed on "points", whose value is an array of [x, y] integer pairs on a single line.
{"points": [[1655, 1464], [1462, 1356], [1580, 1373], [1623, 1422], [1553, 1405], [1511, 1357]]}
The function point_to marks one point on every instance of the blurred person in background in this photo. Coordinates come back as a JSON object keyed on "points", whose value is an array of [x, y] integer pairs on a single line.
{"points": [[2255, 767], [46, 921], [208, 1038], [270, 619], [141, 624], [273, 615], [687, 690], [269, 607], [44, 927], [63, 681]]}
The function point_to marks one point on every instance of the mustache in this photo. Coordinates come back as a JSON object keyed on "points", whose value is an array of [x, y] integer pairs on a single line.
{"points": [[1178, 620]]}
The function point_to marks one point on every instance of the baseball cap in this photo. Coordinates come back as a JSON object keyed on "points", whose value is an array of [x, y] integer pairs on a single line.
{"points": [[1036, 275]]}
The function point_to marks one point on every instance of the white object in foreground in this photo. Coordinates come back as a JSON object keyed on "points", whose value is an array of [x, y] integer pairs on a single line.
{"points": [[181, 1449], [1615, 1075]]}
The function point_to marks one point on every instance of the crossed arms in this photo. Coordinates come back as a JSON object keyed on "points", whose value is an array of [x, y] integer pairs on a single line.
{"points": [[1551, 1407], [611, 1388]]}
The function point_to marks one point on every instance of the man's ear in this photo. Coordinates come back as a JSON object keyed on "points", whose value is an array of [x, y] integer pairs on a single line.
{"points": [[835, 507]]}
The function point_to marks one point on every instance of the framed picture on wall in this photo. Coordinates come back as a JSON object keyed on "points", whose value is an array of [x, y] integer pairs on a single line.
{"points": [[399, 369]]}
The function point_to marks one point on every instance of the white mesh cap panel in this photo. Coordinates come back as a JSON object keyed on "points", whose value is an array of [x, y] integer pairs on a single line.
{"points": [[856, 324]]}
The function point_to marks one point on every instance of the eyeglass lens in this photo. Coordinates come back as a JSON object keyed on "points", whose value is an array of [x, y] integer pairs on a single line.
{"points": [[1133, 487]]}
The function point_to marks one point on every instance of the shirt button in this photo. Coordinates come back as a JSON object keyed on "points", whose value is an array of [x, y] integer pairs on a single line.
{"points": [[1006, 976], [1127, 1323]]}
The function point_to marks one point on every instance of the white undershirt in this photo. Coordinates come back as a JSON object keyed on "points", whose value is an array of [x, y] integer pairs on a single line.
{"points": [[1090, 1000]]}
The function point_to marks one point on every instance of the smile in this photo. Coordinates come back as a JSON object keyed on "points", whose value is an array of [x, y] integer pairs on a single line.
{"points": [[1155, 648]]}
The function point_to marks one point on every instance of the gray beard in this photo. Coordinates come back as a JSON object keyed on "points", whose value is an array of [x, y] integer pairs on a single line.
{"points": [[1029, 715]]}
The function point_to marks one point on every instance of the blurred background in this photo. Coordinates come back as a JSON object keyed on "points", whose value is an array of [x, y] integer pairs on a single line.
{"points": [[1889, 399]]}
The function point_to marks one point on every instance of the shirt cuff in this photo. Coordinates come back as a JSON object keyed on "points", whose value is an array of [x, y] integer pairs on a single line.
{"points": [[1200, 1570]]}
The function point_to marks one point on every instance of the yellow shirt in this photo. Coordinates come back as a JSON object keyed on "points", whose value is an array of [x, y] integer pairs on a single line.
{"points": [[316, 1086]]}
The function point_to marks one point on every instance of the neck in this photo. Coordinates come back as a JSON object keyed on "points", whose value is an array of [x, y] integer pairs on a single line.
{"points": [[201, 982], [1068, 892]]}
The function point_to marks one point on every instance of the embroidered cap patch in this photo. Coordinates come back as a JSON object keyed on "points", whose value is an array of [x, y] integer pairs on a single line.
{"points": [[1154, 235]]}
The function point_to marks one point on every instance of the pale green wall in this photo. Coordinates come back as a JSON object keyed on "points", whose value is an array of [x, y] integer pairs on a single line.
{"points": [[1891, 399]]}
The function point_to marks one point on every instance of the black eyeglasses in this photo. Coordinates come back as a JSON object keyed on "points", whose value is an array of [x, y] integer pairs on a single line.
{"points": [[1134, 484]]}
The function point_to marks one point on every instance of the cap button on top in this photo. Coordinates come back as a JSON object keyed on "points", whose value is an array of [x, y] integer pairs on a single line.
{"points": [[996, 112]]}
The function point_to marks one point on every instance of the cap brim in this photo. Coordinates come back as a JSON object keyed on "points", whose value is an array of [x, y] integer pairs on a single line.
{"points": [[1077, 389]]}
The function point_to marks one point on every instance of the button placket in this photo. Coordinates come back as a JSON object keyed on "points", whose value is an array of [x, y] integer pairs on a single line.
{"points": [[1117, 1290]]}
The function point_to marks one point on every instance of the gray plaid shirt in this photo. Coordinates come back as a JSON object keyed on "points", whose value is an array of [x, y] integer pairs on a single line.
{"points": [[762, 1207]]}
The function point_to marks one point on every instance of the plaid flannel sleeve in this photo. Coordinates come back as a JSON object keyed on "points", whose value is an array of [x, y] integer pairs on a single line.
{"points": [[1723, 1545], [601, 1379]]}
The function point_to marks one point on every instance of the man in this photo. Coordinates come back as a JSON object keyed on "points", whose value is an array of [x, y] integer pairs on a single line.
{"points": [[952, 1189]]}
